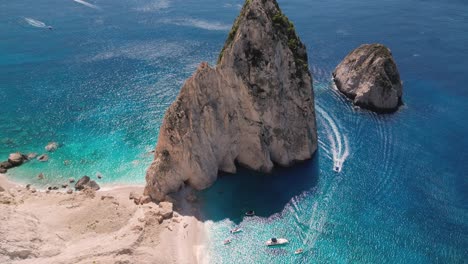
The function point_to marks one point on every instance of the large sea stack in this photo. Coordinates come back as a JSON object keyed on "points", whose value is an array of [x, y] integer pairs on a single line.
{"points": [[369, 76], [255, 108]]}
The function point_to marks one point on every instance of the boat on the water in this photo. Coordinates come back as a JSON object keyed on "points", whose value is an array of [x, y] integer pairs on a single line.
{"points": [[299, 251], [236, 230], [227, 241], [250, 213], [276, 241]]}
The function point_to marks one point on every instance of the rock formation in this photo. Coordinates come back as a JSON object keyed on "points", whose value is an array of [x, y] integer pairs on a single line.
{"points": [[86, 182], [14, 160], [51, 147], [369, 76], [255, 108]]}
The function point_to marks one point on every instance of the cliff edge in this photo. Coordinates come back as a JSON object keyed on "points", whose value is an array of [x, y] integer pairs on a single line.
{"points": [[255, 108]]}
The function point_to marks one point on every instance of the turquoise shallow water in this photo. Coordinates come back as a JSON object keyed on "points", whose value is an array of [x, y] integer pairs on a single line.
{"points": [[100, 82]]}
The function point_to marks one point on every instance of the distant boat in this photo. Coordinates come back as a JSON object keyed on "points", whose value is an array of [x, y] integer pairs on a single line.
{"points": [[250, 213], [276, 241], [299, 251], [227, 241], [336, 169], [236, 230]]}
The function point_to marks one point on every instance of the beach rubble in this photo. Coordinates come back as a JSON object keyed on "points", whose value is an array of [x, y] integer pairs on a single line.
{"points": [[92, 227]]}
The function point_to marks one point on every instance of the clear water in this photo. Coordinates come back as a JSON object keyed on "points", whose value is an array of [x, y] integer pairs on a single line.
{"points": [[99, 84]]}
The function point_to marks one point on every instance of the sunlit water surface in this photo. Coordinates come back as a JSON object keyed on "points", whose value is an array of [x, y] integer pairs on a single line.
{"points": [[100, 82]]}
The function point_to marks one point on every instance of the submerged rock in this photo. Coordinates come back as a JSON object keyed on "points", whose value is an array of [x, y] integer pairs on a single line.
{"points": [[256, 108], [43, 158], [32, 156], [51, 147], [369, 76]]}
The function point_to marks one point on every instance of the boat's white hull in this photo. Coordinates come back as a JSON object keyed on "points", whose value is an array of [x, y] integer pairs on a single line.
{"points": [[279, 241]]}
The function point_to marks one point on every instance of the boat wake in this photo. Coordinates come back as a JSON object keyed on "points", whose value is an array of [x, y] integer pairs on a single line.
{"points": [[339, 143], [35, 23], [87, 4]]}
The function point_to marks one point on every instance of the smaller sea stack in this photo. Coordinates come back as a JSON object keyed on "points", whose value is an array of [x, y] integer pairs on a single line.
{"points": [[369, 76]]}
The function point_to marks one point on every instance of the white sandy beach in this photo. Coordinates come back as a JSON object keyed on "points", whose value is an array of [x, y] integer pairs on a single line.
{"points": [[57, 227]]}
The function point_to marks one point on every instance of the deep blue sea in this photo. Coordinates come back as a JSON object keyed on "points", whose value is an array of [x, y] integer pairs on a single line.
{"points": [[101, 80]]}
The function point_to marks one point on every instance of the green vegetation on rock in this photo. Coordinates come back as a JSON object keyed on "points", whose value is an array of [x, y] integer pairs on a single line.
{"points": [[233, 32]]}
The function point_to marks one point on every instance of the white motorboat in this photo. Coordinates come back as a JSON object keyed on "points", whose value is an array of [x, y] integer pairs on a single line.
{"points": [[299, 251], [276, 241], [236, 230], [250, 213]]}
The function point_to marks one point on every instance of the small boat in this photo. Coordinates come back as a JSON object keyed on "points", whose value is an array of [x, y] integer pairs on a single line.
{"points": [[236, 230], [276, 241], [227, 241], [336, 169], [299, 251], [250, 213]]}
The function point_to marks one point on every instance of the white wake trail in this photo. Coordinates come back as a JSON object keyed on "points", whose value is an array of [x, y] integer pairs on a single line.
{"points": [[35, 23], [87, 4], [339, 143]]}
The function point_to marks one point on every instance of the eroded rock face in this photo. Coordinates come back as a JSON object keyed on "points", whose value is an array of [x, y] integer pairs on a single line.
{"points": [[369, 77], [255, 108]]}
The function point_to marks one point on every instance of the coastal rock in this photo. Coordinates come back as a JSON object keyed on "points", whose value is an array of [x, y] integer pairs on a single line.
{"points": [[81, 183], [43, 158], [132, 196], [16, 159], [40, 176], [255, 108], [51, 147], [1, 189], [71, 180], [93, 185], [166, 209], [2, 170], [86, 182], [369, 76], [32, 156], [144, 199], [6, 165], [69, 191]]}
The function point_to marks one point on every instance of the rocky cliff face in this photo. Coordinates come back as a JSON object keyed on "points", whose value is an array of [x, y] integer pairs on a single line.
{"points": [[369, 77], [255, 108]]}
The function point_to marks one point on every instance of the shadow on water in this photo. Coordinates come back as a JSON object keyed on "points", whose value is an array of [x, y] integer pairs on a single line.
{"points": [[234, 194]]}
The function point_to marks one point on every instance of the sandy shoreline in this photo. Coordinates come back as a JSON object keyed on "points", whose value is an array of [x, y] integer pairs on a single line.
{"points": [[104, 227]]}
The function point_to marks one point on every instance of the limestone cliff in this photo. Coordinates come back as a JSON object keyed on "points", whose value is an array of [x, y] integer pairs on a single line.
{"points": [[255, 108], [369, 76]]}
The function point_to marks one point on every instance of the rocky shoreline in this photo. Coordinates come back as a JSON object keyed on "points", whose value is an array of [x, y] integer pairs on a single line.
{"points": [[106, 226]]}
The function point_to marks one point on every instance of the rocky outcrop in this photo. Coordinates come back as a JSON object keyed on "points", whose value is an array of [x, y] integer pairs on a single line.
{"points": [[86, 182], [51, 147], [369, 76], [255, 108], [14, 160], [43, 158]]}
